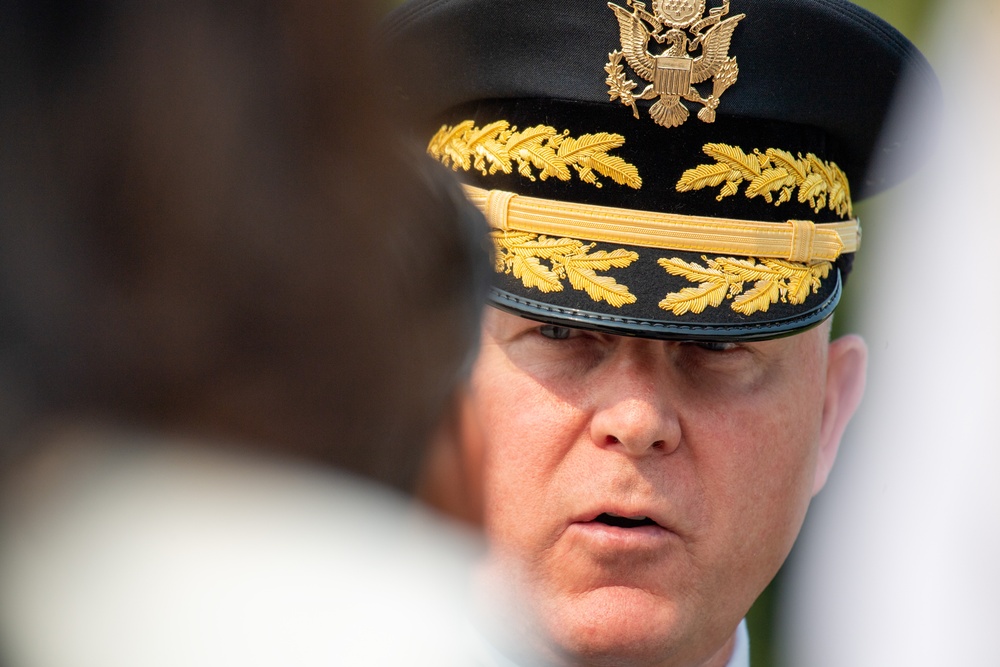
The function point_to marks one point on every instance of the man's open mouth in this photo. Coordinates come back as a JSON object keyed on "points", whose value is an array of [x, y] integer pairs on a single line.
{"points": [[625, 521]]}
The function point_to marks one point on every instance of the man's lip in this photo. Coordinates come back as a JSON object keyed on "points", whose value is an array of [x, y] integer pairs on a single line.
{"points": [[603, 538], [595, 525]]}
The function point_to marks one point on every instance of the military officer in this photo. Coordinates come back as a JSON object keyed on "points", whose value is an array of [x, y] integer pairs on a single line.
{"points": [[671, 190]]}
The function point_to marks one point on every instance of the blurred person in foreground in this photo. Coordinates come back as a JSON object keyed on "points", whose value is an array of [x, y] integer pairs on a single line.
{"points": [[908, 535], [671, 191], [232, 301]]}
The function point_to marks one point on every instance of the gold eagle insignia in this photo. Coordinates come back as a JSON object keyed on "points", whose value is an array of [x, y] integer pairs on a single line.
{"points": [[674, 72]]}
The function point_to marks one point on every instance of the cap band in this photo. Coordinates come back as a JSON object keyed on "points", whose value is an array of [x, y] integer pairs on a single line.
{"points": [[794, 240]]}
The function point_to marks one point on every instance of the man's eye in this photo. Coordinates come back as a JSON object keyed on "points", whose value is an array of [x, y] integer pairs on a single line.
{"points": [[555, 332], [714, 345]]}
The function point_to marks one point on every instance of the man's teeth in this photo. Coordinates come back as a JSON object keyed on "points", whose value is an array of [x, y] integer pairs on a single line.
{"points": [[621, 516]]}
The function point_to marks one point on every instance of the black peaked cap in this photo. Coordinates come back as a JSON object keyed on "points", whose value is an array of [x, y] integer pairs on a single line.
{"points": [[810, 90]]}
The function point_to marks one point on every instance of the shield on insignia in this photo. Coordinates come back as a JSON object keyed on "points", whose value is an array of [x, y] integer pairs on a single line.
{"points": [[672, 75]]}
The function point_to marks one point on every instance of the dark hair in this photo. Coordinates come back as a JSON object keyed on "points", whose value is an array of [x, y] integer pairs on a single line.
{"points": [[209, 223]]}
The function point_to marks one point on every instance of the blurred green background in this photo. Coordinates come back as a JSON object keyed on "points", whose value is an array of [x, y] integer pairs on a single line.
{"points": [[915, 19]]}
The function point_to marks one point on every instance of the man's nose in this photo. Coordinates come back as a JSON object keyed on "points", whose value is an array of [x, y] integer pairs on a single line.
{"points": [[635, 407]]}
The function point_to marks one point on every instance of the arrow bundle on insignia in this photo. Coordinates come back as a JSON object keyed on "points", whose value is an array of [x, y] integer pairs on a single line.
{"points": [[676, 170]]}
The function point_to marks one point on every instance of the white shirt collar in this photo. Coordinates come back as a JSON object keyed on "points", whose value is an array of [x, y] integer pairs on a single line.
{"points": [[741, 649]]}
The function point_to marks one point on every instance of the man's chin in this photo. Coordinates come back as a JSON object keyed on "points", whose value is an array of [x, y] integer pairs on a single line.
{"points": [[614, 625], [599, 626]]}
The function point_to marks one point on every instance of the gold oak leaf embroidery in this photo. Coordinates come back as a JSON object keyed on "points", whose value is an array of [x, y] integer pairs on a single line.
{"points": [[773, 280], [773, 175], [521, 254], [499, 147]]}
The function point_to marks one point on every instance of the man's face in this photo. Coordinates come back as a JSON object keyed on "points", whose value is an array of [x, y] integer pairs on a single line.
{"points": [[710, 451]]}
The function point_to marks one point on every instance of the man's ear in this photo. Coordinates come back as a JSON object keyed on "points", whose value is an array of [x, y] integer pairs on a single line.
{"points": [[846, 367]]}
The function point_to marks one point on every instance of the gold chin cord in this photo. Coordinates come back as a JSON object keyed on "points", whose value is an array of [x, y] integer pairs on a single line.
{"points": [[794, 240]]}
